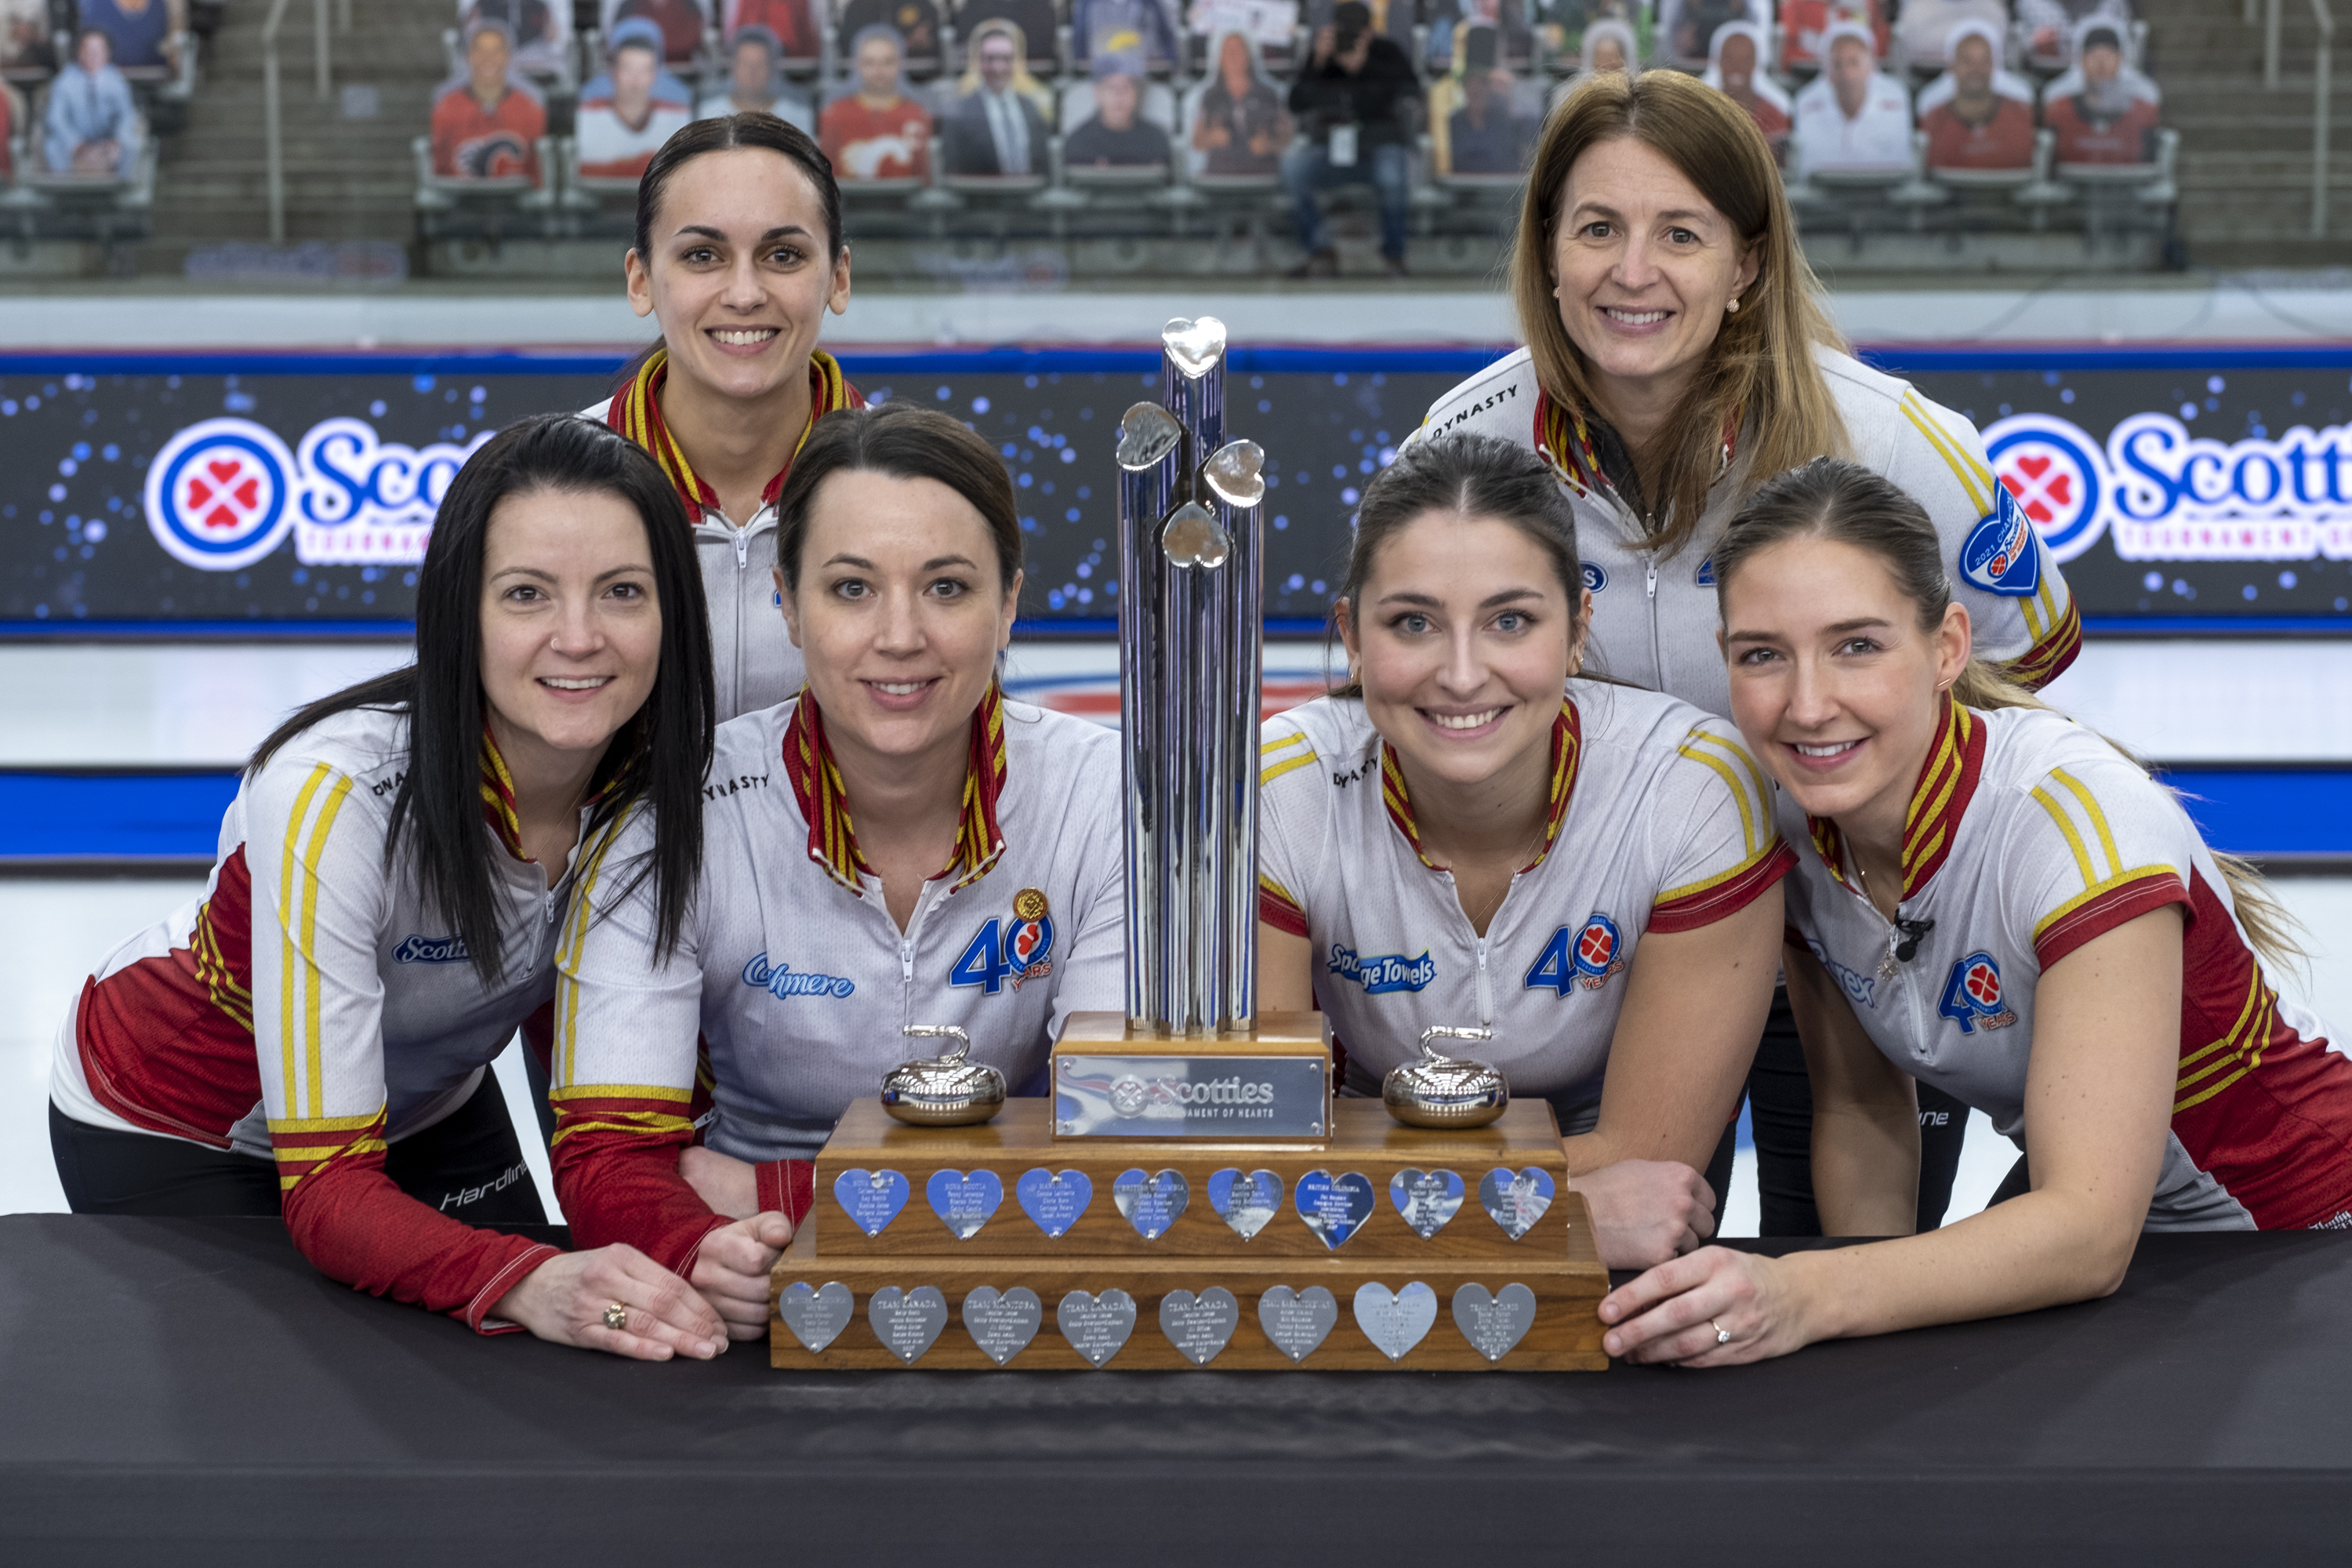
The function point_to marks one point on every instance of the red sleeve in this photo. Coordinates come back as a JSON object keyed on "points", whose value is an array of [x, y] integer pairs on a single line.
{"points": [[616, 1174], [1714, 900], [2046, 661], [2072, 924], [349, 1219], [1280, 912], [789, 1185]]}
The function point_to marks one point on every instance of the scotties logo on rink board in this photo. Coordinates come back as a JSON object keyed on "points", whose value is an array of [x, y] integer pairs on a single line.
{"points": [[1379, 976], [2001, 556], [783, 981], [224, 493], [1578, 956], [2057, 476], [1013, 950], [1972, 996]]}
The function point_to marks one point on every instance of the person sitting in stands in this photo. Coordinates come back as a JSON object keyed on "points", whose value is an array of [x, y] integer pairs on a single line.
{"points": [[1805, 24], [916, 23], [1035, 19], [2102, 111], [787, 21], [1238, 121], [753, 85], [1852, 116], [877, 132], [629, 112], [1733, 68], [24, 36], [1487, 135], [1924, 29], [487, 124], [681, 23], [1122, 27], [145, 33], [1686, 28], [1976, 115], [995, 126], [1362, 102], [2050, 26], [93, 125], [1116, 135], [1608, 45], [1453, 21]]}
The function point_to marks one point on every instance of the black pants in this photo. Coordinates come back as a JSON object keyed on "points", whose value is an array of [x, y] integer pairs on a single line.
{"points": [[1781, 1107], [467, 1165]]}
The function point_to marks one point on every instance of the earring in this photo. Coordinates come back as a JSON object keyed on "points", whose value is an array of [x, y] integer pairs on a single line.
{"points": [[1731, 304]]}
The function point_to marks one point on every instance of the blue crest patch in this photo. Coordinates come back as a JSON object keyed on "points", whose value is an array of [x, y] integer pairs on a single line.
{"points": [[1595, 579], [2001, 556], [1379, 976], [1705, 578]]}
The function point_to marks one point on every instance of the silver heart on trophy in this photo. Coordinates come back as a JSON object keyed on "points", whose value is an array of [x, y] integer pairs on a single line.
{"points": [[1150, 1200], [1515, 1200], [1199, 1326], [1196, 346], [1146, 433], [1395, 1323], [1426, 1199], [1237, 473], [1297, 1321], [815, 1315], [1494, 1324], [1244, 1200], [1002, 1325], [1096, 1326], [965, 1203], [1195, 537], [906, 1322]]}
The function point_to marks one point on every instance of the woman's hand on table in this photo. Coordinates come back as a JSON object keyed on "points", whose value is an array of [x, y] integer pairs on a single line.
{"points": [[565, 1299], [1646, 1211], [1677, 1312], [732, 1266]]}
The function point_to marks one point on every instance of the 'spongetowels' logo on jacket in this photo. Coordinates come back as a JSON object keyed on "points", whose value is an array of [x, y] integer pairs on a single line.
{"points": [[1392, 971], [781, 981]]}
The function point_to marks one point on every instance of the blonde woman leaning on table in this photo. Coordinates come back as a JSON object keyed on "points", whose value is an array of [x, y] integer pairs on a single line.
{"points": [[1676, 359], [1993, 899]]}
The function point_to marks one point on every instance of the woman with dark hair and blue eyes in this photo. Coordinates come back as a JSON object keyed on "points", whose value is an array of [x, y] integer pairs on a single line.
{"points": [[314, 1035]]}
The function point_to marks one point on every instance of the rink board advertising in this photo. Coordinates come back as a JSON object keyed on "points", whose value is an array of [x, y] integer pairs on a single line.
{"points": [[2183, 490]]}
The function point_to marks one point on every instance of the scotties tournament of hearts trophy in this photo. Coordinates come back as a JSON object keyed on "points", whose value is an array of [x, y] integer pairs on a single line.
{"points": [[1191, 1194]]}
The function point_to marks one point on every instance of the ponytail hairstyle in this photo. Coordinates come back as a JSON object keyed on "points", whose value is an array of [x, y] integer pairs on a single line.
{"points": [[657, 758], [1477, 475], [1848, 504]]}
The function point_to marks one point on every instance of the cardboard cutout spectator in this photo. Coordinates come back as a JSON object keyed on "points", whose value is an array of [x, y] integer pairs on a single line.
{"points": [[1685, 27], [1448, 19], [1735, 67], [1118, 135], [92, 125], [541, 29], [879, 132], [1359, 103], [1391, 19], [916, 23], [1923, 29], [1607, 44], [1490, 133], [145, 33], [755, 85], [635, 106], [1976, 115], [26, 46], [12, 121], [680, 24], [792, 23], [486, 123], [1124, 28], [1805, 25], [995, 126], [1239, 126], [1852, 116], [2102, 111], [1034, 18], [1563, 25], [2052, 27]]}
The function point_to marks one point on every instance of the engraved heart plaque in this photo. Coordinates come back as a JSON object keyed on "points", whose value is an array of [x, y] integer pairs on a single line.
{"points": [[871, 1199], [1199, 1326], [1096, 1326], [1193, 536], [1334, 1207], [1054, 1199], [906, 1322], [815, 1315], [1244, 1200], [1146, 433], [1515, 1201], [1297, 1321], [965, 1203], [1426, 1199], [1494, 1324], [1395, 1323], [1237, 473], [1002, 1325], [1150, 1202], [1195, 345]]}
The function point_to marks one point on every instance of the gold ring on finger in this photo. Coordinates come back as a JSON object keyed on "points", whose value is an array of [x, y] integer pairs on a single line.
{"points": [[616, 1317]]}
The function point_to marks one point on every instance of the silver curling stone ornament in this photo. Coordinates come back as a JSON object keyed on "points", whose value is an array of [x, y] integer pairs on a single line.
{"points": [[946, 1090], [1445, 1091]]}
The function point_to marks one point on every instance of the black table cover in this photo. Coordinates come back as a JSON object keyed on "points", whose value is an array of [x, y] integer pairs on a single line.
{"points": [[190, 1391]]}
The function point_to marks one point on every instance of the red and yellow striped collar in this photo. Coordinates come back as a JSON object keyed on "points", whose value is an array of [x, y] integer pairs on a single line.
{"points": [[1562, 435], [824, 803], [1948, 781], [497, 789], [637, 414], [1566, 744]]}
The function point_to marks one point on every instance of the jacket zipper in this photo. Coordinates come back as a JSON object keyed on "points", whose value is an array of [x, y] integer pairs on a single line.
{"points": [[1657, 656], [1485, 995]]}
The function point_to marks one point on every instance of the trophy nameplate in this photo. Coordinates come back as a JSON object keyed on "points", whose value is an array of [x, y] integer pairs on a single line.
{"points": [[1272, 1082]]}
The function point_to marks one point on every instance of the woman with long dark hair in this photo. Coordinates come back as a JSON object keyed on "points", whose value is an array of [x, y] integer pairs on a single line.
{"points": [[898, 845], [1677, 357], [313, 1037], [738, 255], [1993, 899], [1471, 834]]}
